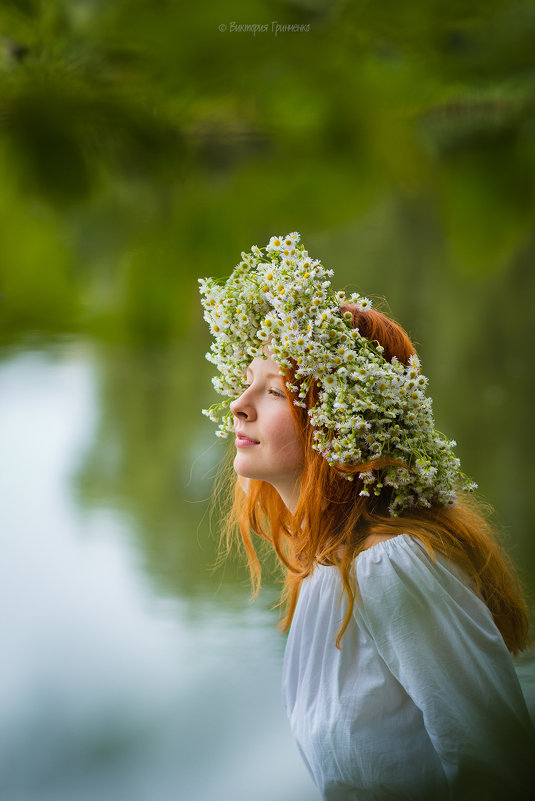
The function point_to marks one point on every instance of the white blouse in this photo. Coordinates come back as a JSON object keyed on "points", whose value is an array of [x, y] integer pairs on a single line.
{"points": [[422, 701]]}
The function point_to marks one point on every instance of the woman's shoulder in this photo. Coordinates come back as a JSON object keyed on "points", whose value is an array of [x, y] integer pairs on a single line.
{"points": [[402, 559], [381, 547], [402, 564], [401, 550], [376, 539]]}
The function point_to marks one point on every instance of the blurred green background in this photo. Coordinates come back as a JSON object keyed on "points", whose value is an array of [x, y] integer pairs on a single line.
{"points": [[144, 144]]}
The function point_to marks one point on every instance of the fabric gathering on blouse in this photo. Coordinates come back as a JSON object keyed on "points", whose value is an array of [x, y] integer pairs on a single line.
{"points": [[422, 701]]}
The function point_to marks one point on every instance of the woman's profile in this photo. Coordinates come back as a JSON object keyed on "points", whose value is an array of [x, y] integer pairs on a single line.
{"points": [[402, 608]]}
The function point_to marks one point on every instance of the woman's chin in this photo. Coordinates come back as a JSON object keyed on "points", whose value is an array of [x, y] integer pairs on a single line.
{"points": [[242, 469]]}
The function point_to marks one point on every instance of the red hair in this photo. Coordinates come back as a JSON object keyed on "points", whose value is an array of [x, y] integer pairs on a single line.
{"points": [[332, 521]]}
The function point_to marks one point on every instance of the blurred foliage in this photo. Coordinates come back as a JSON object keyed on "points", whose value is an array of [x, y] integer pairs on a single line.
{"points": [[142, 147]]}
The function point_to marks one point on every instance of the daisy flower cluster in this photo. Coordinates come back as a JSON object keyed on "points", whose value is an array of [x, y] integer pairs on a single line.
{"points": [[368, 408]]}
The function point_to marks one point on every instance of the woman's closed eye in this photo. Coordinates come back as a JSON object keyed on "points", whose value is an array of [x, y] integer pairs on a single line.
{"points": [[277, 393]]}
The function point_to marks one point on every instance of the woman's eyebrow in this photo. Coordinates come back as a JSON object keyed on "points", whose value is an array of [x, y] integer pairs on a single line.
{"points": [[268, 375]]}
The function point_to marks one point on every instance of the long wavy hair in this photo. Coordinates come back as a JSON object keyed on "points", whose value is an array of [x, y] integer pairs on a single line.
{"points": [[332, 521]]}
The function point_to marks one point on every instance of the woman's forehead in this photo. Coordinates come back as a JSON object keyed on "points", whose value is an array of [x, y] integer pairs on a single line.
{"points": [[267, 367]]}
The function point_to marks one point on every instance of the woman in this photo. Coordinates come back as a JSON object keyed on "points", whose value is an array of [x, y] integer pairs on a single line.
{"points": [[401, 607]]}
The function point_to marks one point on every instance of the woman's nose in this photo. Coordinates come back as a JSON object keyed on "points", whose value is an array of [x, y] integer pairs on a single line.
{"points": [[242, 408]]}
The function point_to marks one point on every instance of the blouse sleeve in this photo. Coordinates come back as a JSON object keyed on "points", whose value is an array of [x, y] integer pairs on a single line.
{"points": [[439, 641]]}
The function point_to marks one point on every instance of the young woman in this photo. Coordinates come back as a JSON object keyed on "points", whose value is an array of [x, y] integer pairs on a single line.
{"points": [[402, 609]]}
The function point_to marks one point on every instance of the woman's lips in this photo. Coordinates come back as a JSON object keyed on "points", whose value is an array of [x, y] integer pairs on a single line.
{"points": [[244, 442]]}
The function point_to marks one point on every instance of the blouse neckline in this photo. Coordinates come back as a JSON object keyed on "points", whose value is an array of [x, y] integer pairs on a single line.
{"points": [[386, 544]]}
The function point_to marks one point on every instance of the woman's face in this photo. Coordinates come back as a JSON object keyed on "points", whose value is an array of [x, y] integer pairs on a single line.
{"points": [[267, 443]]}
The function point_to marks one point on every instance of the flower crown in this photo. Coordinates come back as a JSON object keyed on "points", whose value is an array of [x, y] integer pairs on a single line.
{"points": [[368, 408]]}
